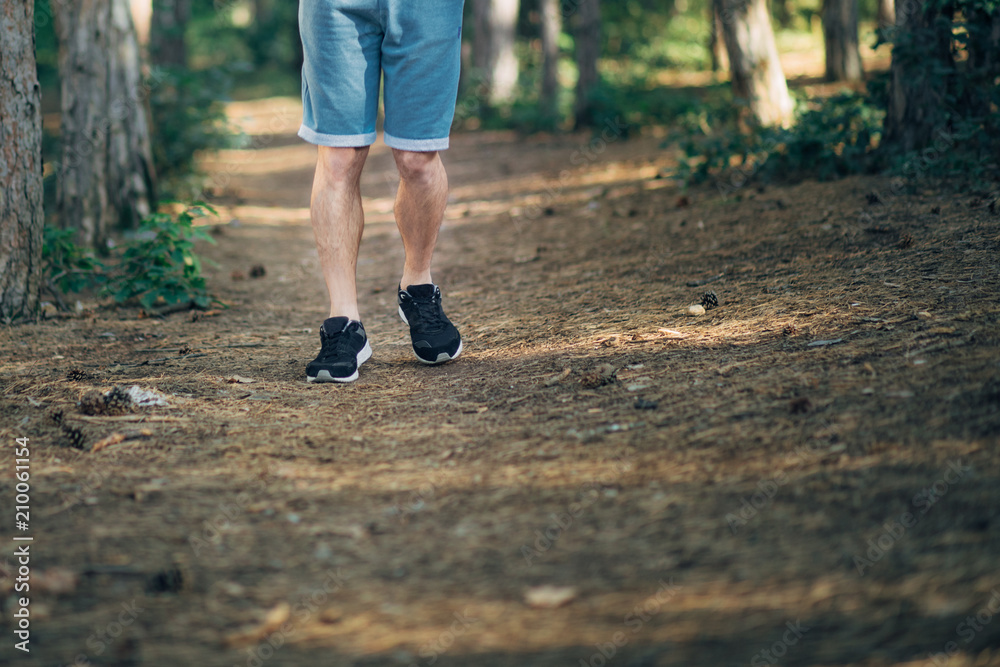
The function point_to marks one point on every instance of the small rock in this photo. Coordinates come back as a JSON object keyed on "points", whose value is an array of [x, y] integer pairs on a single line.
{"points": [[549, 597], [696, 310]]}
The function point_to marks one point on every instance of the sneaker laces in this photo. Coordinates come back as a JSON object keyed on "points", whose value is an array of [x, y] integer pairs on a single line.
{"points": [[430, 318], [335, 345]]}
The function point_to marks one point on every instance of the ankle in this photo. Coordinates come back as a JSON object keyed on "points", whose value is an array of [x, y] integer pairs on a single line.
{"points": [[349, 313], [415, 278]]}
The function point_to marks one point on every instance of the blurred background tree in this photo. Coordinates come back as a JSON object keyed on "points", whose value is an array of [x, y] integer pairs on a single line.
{"points": [[141, 97]]}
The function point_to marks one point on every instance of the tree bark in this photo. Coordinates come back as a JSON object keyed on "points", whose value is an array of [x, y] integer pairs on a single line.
{"points": [[106, 175], [494, 57], [754, 66], [840, 35], [588, 51], [918, 90], [21, 216], [142, 16], [886, 16], [551, 29], [167, 47], [716, 44]]}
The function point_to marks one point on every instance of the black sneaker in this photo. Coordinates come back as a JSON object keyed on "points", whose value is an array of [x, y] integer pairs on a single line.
{"points": [[435, 338], [345, 348]]}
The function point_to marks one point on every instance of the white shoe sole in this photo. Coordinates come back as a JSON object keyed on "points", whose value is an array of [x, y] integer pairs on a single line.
{"points": [[324, 376], [443, 357]]}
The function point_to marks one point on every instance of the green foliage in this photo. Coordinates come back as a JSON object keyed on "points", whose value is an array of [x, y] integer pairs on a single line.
{"points": [[68, 268], [954, 54], [160, 264], [157, 266], [188, 117], [830, 138]]}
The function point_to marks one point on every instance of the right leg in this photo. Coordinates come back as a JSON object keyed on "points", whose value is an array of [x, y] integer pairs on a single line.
{"points": [[338, 221]]}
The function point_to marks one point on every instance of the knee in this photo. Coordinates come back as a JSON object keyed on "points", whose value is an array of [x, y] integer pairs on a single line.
{"points": [[417, 167], [342, 163]]}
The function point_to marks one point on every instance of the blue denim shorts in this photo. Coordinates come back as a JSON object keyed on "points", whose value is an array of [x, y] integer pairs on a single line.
{"points": [[349, 45]]}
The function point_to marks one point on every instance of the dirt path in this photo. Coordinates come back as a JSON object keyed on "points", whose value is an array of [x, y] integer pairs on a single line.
{"points": [[806, 475]]}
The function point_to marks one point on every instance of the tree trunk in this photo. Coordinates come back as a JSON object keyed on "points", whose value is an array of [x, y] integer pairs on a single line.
{"points": [[551, 29], [106, 174], [21, 216], [921, 55], [167, 47], [840, 34], [753, 60], [131, 175], [494, 57], [886, 16], [716, 44], [588, 50], [142, 16]]}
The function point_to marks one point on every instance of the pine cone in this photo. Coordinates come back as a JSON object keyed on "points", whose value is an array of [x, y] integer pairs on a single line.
{"points": [[92, 403], [602, 375], [74, 436], [710, 300], [75, 375], [117, 402]]}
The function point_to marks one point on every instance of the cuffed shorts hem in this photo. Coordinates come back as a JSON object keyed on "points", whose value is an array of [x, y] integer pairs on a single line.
{"points": [[337, 140], [416, 145]]}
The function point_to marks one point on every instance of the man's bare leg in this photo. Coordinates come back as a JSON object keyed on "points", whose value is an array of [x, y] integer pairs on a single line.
{"points": [[338, 221], [420, 204]]}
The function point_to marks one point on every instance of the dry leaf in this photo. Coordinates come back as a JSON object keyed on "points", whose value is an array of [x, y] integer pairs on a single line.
{"points": [[112, 439], [253, 634]]}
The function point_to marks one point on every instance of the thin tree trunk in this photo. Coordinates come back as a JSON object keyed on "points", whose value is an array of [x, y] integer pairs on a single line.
{"points": [[886, 16], [495, 23], [21, 216], [588, 51], [167, 46], [131, 175], [840, 34], [716, 44], [551, 29], [918, 92], [755, 69], [106, 174], [142, 16]]}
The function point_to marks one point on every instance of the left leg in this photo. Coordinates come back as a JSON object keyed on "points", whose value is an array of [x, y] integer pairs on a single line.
{"points": [[421, 57], [420, 204]]}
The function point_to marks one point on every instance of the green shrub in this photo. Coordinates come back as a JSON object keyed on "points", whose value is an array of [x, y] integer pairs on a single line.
{"points": [[830, 138], [160, 266], [188, 117], [68, 268]]}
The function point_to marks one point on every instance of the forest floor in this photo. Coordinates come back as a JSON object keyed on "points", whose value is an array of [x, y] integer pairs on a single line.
{"points": [[807, 474]]}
